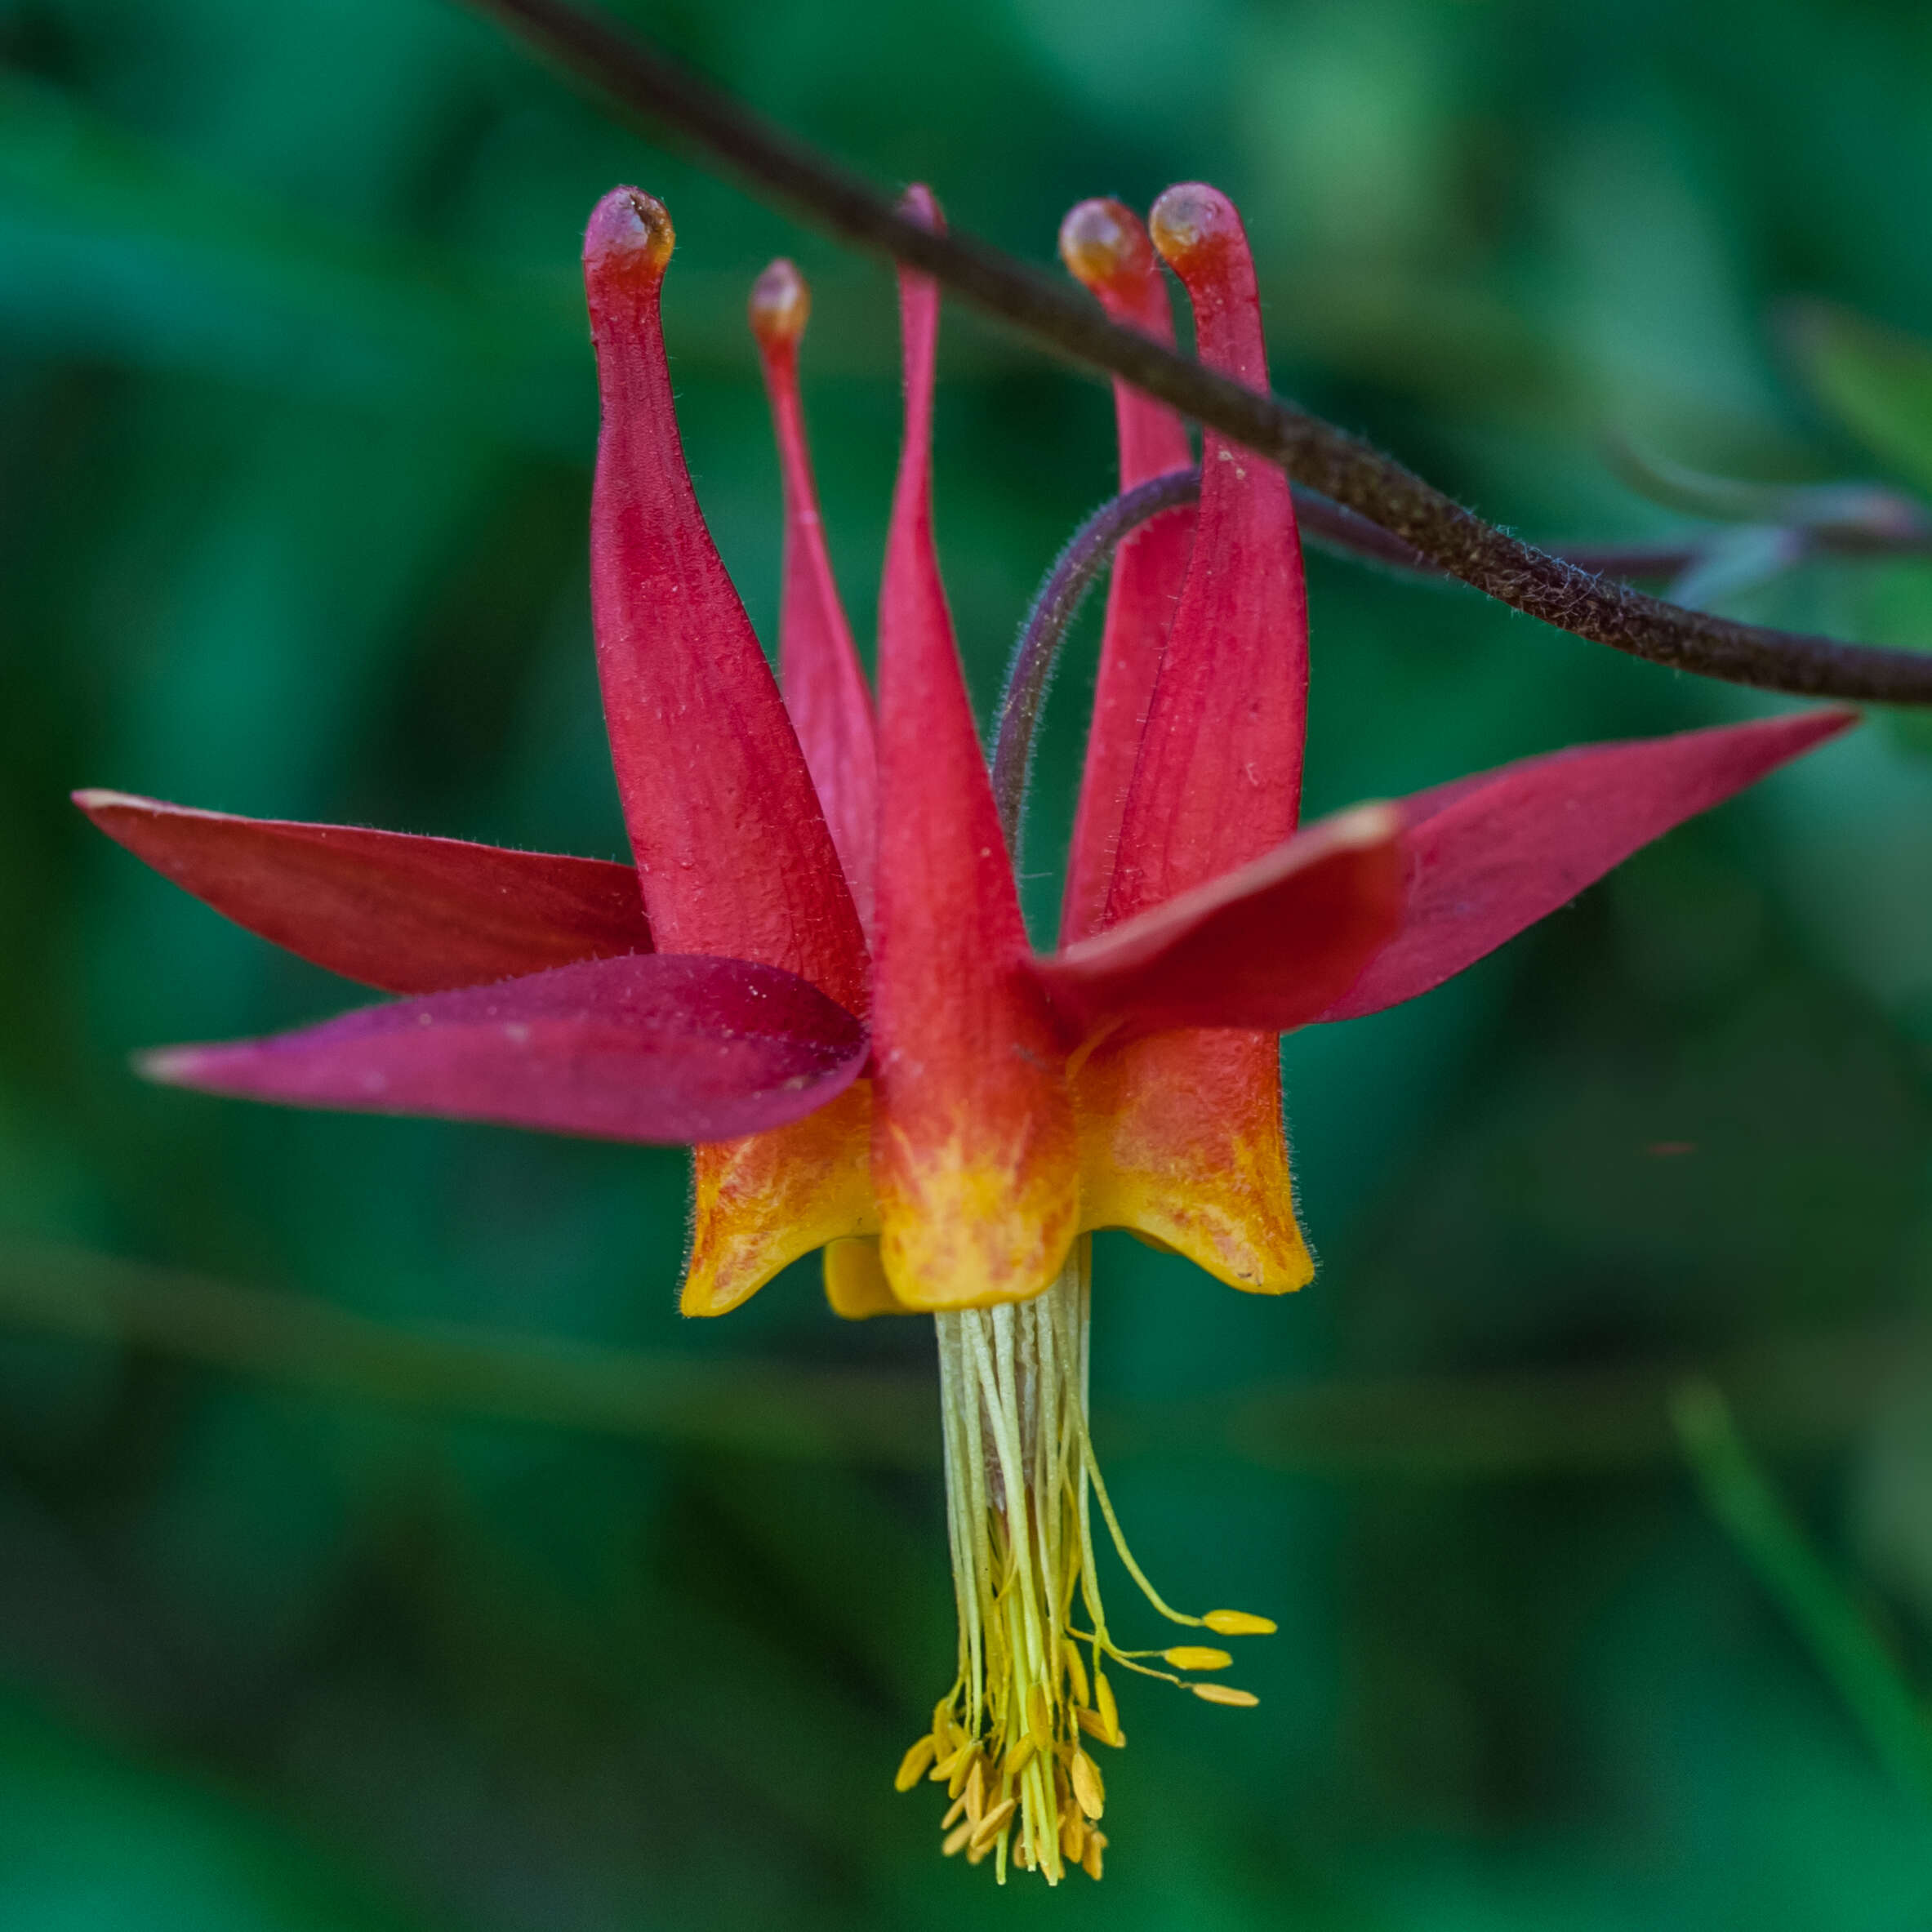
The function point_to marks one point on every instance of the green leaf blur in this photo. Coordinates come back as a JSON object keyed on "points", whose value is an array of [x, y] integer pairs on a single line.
{"points": [[471, 1598]]}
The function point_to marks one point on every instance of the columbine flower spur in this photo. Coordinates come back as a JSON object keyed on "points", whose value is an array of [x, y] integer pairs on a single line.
{"points": [[817, 972]]}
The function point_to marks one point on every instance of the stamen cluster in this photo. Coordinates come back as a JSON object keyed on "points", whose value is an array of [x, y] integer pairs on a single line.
{"points": [[1009, 1739]]}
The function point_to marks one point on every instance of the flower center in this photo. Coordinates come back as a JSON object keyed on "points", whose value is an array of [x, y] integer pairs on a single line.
{"points": [[1008, 1740]]}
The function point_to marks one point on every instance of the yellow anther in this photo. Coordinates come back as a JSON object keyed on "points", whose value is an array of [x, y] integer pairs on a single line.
{"points": [[1039, 1724], [1224, 1693], [976, 1792], [1086, 1786], [957, 1837], [1196, 1656], [1076, 1672], [954, 1812], [968, 1756], [994, 1823], [1109, 1711], [942, 1772], [1073, 1834], [1095, 1726], [914, 1764], [1097, 1843], [1239, 1623], [1019, 1757]]}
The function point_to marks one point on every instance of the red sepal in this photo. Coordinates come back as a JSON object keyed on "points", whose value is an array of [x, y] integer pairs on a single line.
{"points": [[661, 1047], [1490, 856], [404, 914], [1268, 946]]}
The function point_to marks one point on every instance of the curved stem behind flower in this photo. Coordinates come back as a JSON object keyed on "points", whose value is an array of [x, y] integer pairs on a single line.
{"points": [[1074, 572]]}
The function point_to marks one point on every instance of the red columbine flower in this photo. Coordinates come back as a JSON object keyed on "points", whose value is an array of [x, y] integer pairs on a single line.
{"points": [[818, 973]]}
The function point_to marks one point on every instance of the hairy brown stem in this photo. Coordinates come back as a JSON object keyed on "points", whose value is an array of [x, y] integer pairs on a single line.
{"points": [[1339, 466]]}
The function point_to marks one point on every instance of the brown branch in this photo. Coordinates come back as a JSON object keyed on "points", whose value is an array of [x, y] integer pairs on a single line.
{"points": [[1314, 452]]}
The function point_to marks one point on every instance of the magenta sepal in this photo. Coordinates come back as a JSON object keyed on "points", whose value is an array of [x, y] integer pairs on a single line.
{"points": [[662, 1047], [1490, 854]]}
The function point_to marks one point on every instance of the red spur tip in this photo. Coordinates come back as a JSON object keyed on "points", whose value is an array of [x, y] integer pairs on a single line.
{"points": [[922, 204], [1195, 227], [629, 238], [780, 307], [1105, 245]]}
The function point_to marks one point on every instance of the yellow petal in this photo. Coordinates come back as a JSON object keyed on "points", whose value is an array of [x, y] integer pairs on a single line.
{"points": [[855, 1282], [760, 1203], [1181, 1143]]}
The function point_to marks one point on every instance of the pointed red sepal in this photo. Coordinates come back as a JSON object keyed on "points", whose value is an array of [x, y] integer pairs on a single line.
{"points": [[1219, 777], [731, 848], [663, 1047], [1268, 946], [1490, 856], [404, 914], [1106, 247], [825, 687], [974, 1160]]}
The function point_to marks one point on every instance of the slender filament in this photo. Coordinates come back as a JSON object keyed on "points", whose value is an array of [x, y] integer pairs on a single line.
{"points": [[1009, 1739]]}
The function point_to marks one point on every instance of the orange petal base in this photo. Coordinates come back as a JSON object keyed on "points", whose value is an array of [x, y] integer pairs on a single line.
{"points": [[1182, 1142], [761, 1202]]}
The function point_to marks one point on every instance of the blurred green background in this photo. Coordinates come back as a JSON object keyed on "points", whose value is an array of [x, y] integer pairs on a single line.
{"points": [[378, 1548]]}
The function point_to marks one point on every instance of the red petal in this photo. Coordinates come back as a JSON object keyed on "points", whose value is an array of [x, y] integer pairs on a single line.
{"points": [[1491, 855], [825, 689], [1218, 781], [1266, 947], [974, 1158], [1104, 245], [406, 914], [1182, 1133], [661, 1047], [731, 845]]}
